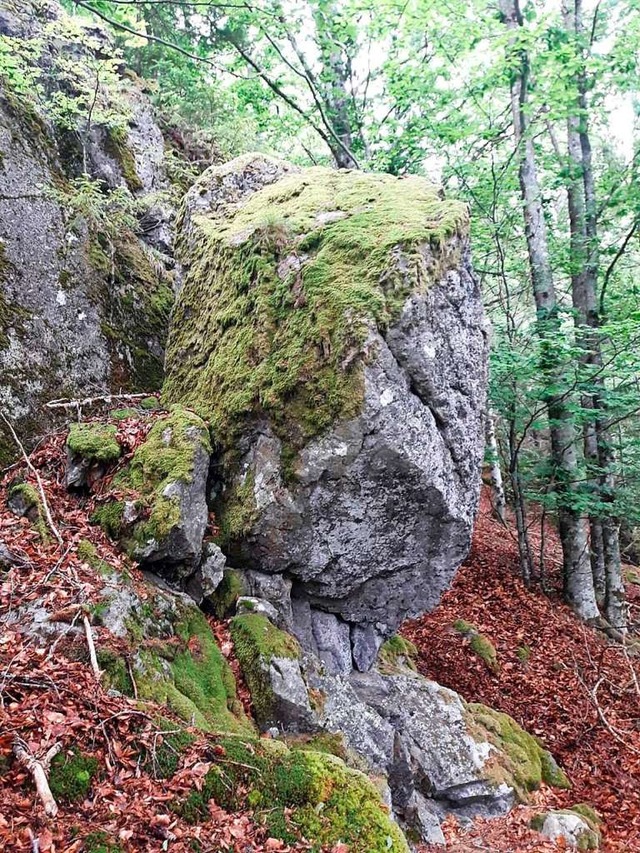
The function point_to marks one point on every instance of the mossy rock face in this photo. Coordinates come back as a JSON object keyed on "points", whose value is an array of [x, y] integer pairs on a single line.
{"points": [[519, 761], [572, 826], [257, 643], [298, 794], [222, 601], [281, 293], [71, 776], [166, 480]]}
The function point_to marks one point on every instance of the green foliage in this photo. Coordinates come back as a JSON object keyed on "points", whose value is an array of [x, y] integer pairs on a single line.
{"points": [[71, 776], [110, 517], [291, 345], [94, 442], [298, 793]]}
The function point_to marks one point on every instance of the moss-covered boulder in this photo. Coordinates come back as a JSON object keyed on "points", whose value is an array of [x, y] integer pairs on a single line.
{"points": [[577, 828], [299, 794], [332, 330], [161, 512]]}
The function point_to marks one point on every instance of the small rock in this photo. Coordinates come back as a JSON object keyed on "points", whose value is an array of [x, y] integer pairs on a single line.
{"points": [[247, 604], [209, 575], [575, 830], [420, 814], [291, 699]]}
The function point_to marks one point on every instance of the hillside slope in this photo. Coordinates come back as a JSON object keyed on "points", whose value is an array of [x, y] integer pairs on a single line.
{"points": [[559, 679]]}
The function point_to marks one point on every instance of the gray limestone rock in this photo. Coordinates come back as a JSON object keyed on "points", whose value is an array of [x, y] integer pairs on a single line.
{"points": [[332, 640], [421, 815], [7, 558], [371, 517], [290, 697], [248, 604], [275, 589], [365, 645], [209, 574]]}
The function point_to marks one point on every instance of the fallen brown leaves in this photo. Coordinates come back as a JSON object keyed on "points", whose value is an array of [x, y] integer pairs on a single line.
{"points": [[48, 693], [550, 665]]}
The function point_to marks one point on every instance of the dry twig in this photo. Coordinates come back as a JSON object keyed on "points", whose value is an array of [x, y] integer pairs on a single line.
{"points": [[31, 467], [92, 649], [39, 771]]}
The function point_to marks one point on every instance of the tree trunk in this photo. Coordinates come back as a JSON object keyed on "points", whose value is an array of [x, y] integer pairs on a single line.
{"points": [[578, 582], [605, 548], [495, 472]]}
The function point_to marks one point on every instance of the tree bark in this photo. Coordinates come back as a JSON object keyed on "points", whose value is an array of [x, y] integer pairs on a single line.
{"points": [[578, 582], [495, 472], [583, 223]]}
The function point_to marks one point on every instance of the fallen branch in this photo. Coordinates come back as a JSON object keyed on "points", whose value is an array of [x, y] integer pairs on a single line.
{"points": [[39, 771], [30, 466], [92, 649], [91, 401]]}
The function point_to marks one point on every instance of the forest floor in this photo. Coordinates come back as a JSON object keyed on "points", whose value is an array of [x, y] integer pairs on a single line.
{"points": [[48, 693], [565, 683]]}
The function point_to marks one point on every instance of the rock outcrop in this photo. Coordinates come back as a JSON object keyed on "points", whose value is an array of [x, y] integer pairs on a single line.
{"points": [[84, 301], [331, 328]]}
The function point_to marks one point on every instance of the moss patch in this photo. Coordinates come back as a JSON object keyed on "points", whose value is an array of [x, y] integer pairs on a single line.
{"points": [[298, 793], [110, 517], [397, 652], [94, 442], [278, 300], [116, 146], [236, 509], [101, 842], [167, 456], [481, 645], [521, 761], [116, 674], [32, 506], [256, 642], [193, 678], [229, 590], [71, 775]]}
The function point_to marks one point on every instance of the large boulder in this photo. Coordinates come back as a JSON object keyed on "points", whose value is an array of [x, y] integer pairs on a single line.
{"points": [[331, 328], [84, 300]]}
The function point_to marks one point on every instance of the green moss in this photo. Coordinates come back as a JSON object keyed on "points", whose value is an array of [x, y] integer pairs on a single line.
{"points": [[480, 645], [167, 456], [521, 761], [32, 508], [523, 653], [331, 743], [117, 146], [71, 776], [229, 590], [101, 842], [109, 516], [396, 652], [256, 642], [168, 744], [291, 345], [194, 679], [94, 442], [149, 403], [88, 553], [298, 794], [123, 414], [115, 672], [236, 509], [589, 813]]}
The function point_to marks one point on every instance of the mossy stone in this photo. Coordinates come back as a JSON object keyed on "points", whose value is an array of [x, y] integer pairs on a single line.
{"points": [[116, 675], [279, 298], [520, 761], [94, 442], [298, 794], [71, 775], [479, 644], [256, 642]]}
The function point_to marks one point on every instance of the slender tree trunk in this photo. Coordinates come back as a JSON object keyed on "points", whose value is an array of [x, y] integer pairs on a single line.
{"points": [[578, 581], [605, 547], [495, 472]]}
